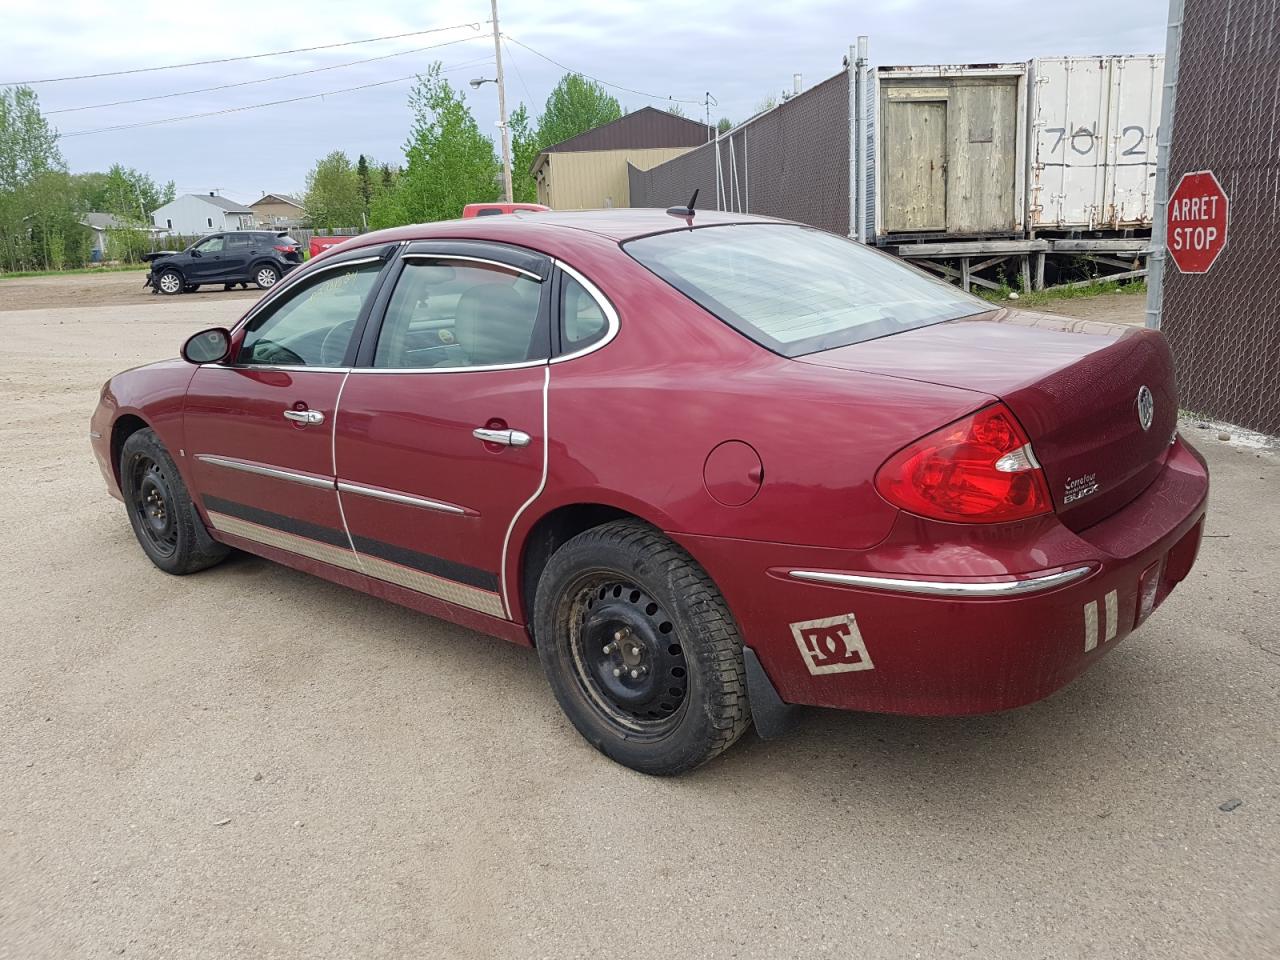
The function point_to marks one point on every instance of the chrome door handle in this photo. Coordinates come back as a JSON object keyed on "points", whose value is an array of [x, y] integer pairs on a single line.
{"points": [[304, 416], [508, 438]]}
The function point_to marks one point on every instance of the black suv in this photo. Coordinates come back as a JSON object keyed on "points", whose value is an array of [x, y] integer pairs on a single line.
{"points": [[242, 256]]}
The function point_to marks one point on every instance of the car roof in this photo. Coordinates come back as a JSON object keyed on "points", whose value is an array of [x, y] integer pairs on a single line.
{"points": [[616, 224]]}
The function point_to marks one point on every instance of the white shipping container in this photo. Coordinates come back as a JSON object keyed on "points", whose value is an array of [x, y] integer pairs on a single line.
{"points": [[1092, 156]]}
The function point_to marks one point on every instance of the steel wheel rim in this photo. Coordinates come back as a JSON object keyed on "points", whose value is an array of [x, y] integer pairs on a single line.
{"points": [[152, 503], [613, 625], [266, 277], [169, 283]]}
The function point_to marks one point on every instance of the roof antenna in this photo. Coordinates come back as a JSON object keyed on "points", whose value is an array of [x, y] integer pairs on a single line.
{"points": [[686, 211]]}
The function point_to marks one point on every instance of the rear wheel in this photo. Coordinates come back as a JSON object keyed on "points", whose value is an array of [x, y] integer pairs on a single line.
{"points": [[164, 520], [640, 649], [169, 282], [266, 276]]}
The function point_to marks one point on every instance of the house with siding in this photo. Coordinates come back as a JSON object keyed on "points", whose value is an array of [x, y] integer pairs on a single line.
{"points": [[589, 171], [203, 213], [278, 210]]}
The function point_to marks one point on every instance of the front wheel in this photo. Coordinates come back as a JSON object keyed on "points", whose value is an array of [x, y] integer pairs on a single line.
{"points": [[163, 518], [266, 276], [169, 282], [640, 649]]}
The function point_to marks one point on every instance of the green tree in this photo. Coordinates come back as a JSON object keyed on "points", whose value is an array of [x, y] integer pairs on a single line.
{"points": [[449, 162], [333, 196], [129, 194], [724, 125], [575, 105], [676, 110], [39, 207], [524, 151], [366, 182]]}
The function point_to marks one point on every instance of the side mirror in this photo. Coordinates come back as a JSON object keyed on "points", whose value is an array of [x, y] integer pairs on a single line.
{"points": [[207, 346], [196, 253]]}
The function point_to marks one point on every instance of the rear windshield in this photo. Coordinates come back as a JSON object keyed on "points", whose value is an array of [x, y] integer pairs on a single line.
{"points": [[797, 290]]}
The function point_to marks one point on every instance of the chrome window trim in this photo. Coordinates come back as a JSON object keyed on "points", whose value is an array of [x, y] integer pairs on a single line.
{"points": [[284, 368], [289, 281], [417, 370], [610, 314], [262, 470], [426, 503], [945, 588], [460, 256]]}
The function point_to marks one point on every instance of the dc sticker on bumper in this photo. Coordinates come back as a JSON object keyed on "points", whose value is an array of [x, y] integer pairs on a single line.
{"points": [[832, 645]]}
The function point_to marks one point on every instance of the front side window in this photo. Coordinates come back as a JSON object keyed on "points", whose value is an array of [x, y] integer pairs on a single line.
{"points": [[582, 319], [797, 290], [211, 245], [461, 313], [313, 323]]}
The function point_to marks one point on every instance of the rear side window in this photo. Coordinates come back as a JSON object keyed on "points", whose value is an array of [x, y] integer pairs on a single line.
{"points": [[582, 320], [798, 290], [240, 240], [461, 313]]}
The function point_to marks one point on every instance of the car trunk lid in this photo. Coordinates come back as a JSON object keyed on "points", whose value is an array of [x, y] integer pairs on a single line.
{"points": [[1074, 387]]}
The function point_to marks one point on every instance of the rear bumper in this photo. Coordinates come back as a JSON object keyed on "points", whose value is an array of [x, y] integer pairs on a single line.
{"points": [[945, 620]]}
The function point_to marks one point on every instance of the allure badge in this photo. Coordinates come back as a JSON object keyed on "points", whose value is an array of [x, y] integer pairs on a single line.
{"points": [[1079, 488]]}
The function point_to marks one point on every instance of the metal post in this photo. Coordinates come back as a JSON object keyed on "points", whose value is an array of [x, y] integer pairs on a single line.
{"points": [[858, 141], [1156, 255], [502, 106]]}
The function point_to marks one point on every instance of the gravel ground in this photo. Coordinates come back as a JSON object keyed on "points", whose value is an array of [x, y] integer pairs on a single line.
{"points": [[253, 763], [98, 289]]}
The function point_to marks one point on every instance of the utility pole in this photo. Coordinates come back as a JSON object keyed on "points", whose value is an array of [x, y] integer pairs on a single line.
{"points": [[502, 105]]}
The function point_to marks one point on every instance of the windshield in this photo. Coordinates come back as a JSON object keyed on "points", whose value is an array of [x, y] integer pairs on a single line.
{"points": [[798, 290]]}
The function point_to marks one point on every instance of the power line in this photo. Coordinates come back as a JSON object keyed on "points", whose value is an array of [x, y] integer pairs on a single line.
{"points": [[527, 91], [270, 103], [253, 56], [605, 83], [246, 83]]}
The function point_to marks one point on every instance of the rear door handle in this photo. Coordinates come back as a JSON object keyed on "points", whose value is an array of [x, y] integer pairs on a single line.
{"points": [[507, 438], [304, 416]]}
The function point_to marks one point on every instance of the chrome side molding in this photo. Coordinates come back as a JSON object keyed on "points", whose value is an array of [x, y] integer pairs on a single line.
{"points": [[425, 503], [261, 470], [944, 588]]}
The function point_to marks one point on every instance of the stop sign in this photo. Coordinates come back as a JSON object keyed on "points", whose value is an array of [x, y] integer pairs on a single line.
{"points": [[1196, 229]]}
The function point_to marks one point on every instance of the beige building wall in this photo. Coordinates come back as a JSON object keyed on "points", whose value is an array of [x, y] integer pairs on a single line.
{"points": [[590, 179], [271, 211]]}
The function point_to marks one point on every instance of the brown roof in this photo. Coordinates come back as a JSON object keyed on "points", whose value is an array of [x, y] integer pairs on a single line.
{"points": [[646, 127]]}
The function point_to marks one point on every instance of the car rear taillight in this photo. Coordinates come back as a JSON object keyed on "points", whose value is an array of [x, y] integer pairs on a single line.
{"points": [[977, 470], [285, 249]]}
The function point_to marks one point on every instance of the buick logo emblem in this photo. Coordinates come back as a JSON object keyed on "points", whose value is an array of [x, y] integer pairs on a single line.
{"points": [[1146, 407]]}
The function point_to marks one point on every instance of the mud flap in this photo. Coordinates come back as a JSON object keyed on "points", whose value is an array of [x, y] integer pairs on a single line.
{"points": [[771, 716]]}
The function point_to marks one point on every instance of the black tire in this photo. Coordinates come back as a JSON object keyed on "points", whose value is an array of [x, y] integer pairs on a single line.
{"points": [[625, 584], [163, 518], [169, 282], [265, 275], [191, 288]]}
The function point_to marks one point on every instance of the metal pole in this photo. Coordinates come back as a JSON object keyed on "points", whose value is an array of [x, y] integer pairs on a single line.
{"points": [[861, 218], [502, 105], [1156, 255]]}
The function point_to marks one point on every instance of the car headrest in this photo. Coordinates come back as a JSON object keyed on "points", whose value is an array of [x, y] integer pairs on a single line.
{"points": [[494, 324]]}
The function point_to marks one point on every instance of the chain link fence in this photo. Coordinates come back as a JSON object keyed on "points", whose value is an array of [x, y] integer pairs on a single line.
{"points": [[791, 161], [1224, 325]]}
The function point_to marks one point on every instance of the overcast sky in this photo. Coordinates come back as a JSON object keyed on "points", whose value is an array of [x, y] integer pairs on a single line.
{"points": [[740, 52]]}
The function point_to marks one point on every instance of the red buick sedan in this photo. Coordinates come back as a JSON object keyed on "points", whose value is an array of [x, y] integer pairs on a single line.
{"points": [[710, 466]]}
